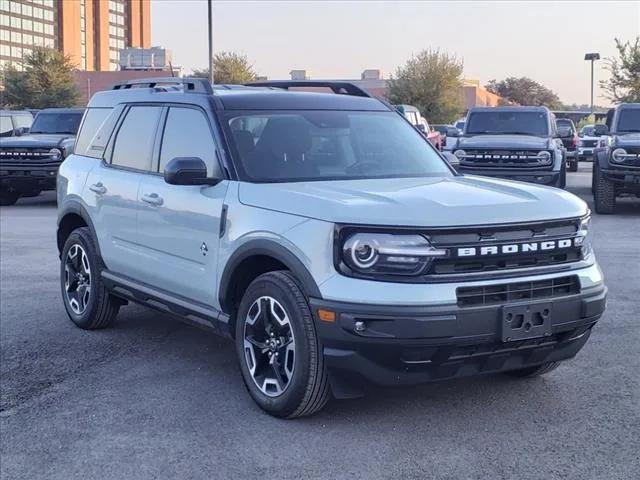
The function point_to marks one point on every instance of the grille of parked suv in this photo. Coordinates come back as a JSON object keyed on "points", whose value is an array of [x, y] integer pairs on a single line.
{"points": [[23, 157], [478, 237], [513, 292], [505, 159]]}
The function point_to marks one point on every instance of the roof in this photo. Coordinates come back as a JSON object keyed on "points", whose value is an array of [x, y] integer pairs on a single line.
{"points": [[509, 109], [628, 105], [15, 112], [61, 110]]}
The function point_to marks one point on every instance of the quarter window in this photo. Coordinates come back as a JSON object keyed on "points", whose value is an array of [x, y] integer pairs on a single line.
{"points": [[93, 120], [134, 144], [187, 134]]}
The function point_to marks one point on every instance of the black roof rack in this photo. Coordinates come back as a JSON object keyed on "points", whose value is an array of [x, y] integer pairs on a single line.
{"points": [[190, 85], [342, 88]]}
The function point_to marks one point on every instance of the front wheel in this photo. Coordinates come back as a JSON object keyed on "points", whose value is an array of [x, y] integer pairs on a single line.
{"points": [[604, 193], [278, 348], [573, 165], [8, 197]]}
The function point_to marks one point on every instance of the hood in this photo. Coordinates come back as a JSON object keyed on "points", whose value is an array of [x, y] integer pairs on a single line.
{"points": [[627, 140], [38, 140], [504, 141], [422, 202]]}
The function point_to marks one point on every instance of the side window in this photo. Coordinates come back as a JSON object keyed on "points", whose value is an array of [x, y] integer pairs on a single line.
{"points": [[187, 134], [133, 147], [93, 120]]}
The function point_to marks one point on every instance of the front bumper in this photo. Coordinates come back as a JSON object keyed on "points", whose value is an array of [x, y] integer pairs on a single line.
{"points": [[543, 177], [401, 345], [627, 179], [28, 179]]}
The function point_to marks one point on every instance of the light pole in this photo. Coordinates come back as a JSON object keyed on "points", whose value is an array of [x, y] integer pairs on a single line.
{"points": [[593, 57], [210, 20]]}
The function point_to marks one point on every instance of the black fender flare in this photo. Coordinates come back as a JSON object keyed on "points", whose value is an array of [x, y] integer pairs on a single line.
{"points": [[272, 249], [600, 156], [76, 208]]}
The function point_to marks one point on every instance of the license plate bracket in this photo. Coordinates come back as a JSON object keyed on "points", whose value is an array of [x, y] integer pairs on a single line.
{"points": [[531, 320]]}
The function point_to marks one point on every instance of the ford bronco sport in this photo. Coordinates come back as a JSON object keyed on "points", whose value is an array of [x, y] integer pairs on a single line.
{"points": [[517, 143], [29, 163], [616, 165], [323, 234]]}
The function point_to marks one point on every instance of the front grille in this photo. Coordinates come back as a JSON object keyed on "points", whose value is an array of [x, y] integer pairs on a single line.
{"points": [[505, 159], [477, 238], [27, 157], [514, 292], [589, 143]]}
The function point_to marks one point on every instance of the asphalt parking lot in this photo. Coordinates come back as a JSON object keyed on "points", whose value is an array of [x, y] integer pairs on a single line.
{"points": [[154, 398]]}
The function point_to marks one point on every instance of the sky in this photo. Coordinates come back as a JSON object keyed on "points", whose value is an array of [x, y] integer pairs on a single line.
{"points": [[545, 41]]}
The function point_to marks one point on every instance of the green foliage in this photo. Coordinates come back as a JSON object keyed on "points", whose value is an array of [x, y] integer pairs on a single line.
{"points": [[432, 82], [624, 84], [525, 92], [45, 82], [228, 67]]}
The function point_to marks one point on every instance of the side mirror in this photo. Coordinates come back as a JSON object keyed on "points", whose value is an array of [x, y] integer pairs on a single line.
{"points": [[18, 132], [421, 127], [187, 171], [453, 132], [600, 129], [451, 160]]}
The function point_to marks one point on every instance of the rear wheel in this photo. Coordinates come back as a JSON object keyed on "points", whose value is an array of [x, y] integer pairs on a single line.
{"points": [[279, 351], [87, 301], [8, 197], [534, 371], [573, 165], [604, 194]]}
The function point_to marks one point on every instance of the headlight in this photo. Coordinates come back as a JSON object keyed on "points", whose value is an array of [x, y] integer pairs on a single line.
{"points": [[583, 239], [56, 154], [544, 156], [388, 254], [460, 153], [618, 155]]}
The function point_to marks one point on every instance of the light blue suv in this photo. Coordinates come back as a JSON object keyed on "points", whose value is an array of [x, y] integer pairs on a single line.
{"points": [[323, 234]]}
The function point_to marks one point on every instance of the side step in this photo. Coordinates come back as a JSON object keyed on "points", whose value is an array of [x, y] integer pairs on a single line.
{"points": [[195, 314]]}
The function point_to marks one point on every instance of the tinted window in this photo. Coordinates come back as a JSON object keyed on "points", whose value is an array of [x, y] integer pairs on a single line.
{"points": [[6, 126], [133, 147], [508, 122], [588, 130], [629, 120], [331, 145], [441, 128], [187, 134], [460, 125], [93, 120], [57, 123]]}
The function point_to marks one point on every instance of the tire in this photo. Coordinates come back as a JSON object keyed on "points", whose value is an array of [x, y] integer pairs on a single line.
{"points": [[534, 371], [97, 308], [573, 166], [8, 198], [282, 387], [562, 178], [604, 193]]}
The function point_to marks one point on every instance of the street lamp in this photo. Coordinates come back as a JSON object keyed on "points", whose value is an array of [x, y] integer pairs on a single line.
{"points": [[210, 35], [593, 57]]}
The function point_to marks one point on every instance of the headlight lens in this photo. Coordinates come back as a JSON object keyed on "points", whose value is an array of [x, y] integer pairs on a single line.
{"points": [[56, 154], [544, 156], [460, 154], [618, 155], [388, 254], [583, 238]]}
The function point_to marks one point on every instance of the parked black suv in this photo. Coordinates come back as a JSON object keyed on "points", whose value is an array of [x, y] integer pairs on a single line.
{"points": [[616, 166], [29, 163], [518, 143]]}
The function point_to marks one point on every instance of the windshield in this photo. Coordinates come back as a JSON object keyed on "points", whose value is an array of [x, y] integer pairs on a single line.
{"points": [[460, 125], [508, 122], [330, 145], [629, 120], [441, 128], [564, 123], [588, 130], [57, 123]]}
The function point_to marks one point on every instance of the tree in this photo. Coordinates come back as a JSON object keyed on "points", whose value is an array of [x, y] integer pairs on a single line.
{"points": [[524, 91], [228, 67], [624, 84], [46, 81], [432, 82]]}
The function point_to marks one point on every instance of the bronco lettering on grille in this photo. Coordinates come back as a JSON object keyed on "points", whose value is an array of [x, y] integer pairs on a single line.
{"points": [[516, 248]]}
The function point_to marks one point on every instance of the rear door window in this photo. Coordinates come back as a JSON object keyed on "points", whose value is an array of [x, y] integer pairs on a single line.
{"points": [[133, 147]]}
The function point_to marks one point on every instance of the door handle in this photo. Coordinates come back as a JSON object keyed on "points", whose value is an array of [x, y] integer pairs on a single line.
{"points": [[98, 188], [152, 199]]}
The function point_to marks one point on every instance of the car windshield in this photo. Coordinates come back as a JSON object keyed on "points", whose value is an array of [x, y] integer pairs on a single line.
{"points": [[564, 123], [588, 130], [440, 128], [330, 145], [57, 123], [460, 125], [629, 120], [507, 122]]}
